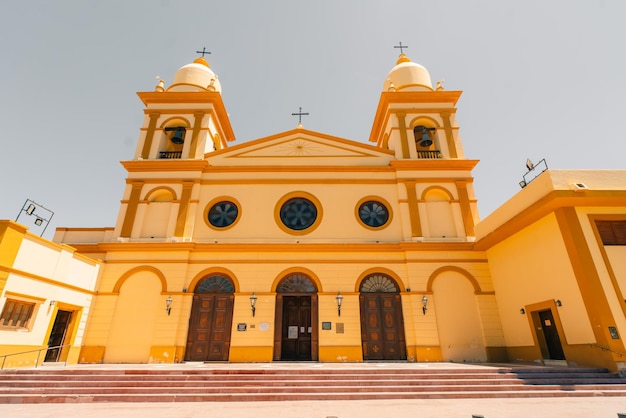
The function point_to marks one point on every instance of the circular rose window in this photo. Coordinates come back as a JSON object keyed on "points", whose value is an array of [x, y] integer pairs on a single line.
{"points": [[223, 214], [373, 214], [298, 213]]}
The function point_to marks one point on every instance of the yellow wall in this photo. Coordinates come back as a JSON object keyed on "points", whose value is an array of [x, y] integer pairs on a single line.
{"points": [[133, 325], [617, 260], [11, 236], [166, 273], [533, 266], [458, 319]]}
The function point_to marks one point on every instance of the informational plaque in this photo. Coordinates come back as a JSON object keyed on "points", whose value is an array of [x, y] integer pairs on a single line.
{"points": [[292, 332]]}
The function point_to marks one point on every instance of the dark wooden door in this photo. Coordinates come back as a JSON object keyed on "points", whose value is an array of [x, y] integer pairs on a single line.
{"points": [[209, 327], [57, 335], [296, 328], [551, 335], [382, 328]]}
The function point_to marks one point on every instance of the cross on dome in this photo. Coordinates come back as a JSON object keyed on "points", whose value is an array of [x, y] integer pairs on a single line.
{"points": [[203, 52], [401, 47]]}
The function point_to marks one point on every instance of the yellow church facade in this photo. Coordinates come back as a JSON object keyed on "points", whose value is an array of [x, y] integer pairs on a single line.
{"points": [[302, 246]]}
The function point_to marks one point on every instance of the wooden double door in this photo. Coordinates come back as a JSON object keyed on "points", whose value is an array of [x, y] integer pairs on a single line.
{"points": [[296, 331], [382, 326], [210, 327]]}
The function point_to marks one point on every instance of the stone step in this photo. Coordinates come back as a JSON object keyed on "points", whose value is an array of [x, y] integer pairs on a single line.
{"points": [[180, 384], [33, 382], [535, 371], [298, 389], [230, 397], [395, 374]]}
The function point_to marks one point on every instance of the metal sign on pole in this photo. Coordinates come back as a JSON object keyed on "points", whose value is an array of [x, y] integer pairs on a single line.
{"points": [[39, 215]]}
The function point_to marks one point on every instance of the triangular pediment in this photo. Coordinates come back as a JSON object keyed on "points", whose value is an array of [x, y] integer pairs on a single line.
{"points": [[300, 147]]}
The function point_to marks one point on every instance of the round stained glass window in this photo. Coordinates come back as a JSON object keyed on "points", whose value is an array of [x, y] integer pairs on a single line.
{"points": [[373, 213], [223, 214], [298, 214]]}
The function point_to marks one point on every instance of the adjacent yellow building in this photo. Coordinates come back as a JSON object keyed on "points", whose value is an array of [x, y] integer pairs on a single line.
{"points": [[302, 246], [46, 291]]}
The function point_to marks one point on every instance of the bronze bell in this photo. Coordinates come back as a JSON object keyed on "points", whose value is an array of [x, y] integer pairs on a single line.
{"points": [[178, 137], [422, 135]]}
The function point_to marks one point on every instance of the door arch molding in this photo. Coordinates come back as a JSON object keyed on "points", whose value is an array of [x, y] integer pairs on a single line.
{"points": [[299, 270], [213, 271], [381, 270], [435, 274]]}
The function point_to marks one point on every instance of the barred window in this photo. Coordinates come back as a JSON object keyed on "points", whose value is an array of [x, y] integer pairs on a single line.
{"points": [[16, 314], [612, 232]]}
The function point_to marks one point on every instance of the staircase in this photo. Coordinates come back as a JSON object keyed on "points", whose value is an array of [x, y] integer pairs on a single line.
{"points": [[300, 381]]}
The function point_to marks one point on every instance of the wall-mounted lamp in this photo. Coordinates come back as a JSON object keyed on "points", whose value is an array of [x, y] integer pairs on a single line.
{"points": [[253, 299], [339, 299], [424, 304], [522, 311], [558, 303], [52, 302], [168, 305]]}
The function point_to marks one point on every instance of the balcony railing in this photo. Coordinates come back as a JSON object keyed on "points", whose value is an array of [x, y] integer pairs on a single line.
{"points": [[170, 155], [429, 155]]}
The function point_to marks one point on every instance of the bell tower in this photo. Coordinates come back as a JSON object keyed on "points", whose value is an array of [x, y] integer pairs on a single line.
{"points": [[182, 124], [186, 120], [413, 119], [418, 123]]}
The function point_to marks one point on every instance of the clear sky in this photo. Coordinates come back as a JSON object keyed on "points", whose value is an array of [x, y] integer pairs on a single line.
{"points": [[540, 79]]}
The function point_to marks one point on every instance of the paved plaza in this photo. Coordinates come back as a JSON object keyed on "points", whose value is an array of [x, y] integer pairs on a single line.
{"points": [[599, 407]]}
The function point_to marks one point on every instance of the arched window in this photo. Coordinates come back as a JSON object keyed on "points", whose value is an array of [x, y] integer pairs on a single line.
{"points": [[215, 284], [379, 283], [296, 283]]}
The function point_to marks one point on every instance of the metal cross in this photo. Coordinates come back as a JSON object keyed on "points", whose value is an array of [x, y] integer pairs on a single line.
{"points": [[401, 47], [299, 115], [203, 52]]}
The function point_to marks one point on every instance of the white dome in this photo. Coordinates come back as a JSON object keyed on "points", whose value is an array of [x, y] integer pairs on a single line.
{"points": [[407, 76], [196, 76]]}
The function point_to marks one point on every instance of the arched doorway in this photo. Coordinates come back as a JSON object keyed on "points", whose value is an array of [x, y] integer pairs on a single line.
{"points": [[382, 323], [296, 334], [133, 326], [211, 320], [458, 318]]}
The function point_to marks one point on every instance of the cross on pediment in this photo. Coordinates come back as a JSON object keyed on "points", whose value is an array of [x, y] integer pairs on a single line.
{"points": [[299, 115]]}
